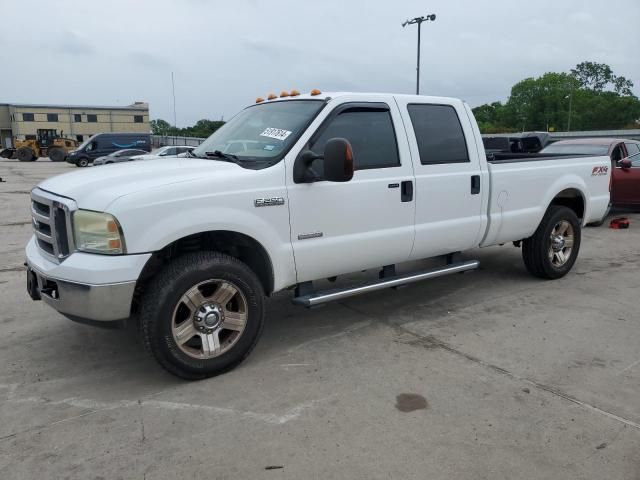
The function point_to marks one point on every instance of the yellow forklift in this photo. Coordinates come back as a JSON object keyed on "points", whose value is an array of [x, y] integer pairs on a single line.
{"points": [[46, 143]]}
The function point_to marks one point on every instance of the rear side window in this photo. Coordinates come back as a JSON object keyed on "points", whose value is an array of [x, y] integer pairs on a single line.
{"points": [[633, 148], [371, 134], [439, 134]]}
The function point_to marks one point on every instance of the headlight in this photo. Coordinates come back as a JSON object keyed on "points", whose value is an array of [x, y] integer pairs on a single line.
{"points": [[97, 232]]}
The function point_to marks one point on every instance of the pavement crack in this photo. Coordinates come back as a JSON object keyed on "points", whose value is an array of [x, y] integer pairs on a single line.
{"points": [[430, 341]]}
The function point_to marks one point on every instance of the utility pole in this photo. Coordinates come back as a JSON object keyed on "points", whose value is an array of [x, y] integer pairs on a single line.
{"points": [[419, 20], [569, 119], [173, 90]]}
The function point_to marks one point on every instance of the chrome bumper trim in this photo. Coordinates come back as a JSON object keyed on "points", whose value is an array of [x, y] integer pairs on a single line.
{"points": [[102, 303]]}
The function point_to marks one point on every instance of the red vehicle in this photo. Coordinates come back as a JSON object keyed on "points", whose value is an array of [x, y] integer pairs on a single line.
{"points": [[625, 188]]}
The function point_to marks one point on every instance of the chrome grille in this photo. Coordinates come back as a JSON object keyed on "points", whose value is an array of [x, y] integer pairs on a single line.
{"points": [[51, 217]]}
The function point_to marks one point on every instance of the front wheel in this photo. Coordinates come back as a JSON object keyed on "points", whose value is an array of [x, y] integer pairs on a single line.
{"points": [[202, 314], [83, 162], [552, 250]]}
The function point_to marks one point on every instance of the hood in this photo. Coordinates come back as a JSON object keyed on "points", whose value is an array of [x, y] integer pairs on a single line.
{"points": [[96, 188]]}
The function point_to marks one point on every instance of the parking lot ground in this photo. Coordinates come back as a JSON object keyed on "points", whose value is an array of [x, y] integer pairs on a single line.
{"points": [[491, 374]]}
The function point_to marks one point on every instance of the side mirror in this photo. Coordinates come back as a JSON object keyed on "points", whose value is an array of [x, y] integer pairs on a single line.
{"points": [[338, 160], [625, 163], [338, 163]]}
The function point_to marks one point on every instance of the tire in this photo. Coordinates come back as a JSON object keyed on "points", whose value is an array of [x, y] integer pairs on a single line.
{"points": [[25, 154], [57, 154], [548, 254], [83, 162], [187, 294]]}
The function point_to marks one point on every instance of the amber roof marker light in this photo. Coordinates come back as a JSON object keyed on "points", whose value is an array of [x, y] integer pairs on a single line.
{"points": [[259, 100], [284, 94], [294, 93], [272, 96], [315, 92]]}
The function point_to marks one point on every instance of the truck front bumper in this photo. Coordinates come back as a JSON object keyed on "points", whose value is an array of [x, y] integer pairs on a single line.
{"points": [[85, 287]]}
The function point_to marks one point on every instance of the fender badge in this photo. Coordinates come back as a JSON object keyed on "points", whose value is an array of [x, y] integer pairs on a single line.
{"points": [[268, 202]]}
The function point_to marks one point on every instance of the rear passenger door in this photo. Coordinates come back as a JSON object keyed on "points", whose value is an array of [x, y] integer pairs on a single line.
{"points": [[449, 180]]}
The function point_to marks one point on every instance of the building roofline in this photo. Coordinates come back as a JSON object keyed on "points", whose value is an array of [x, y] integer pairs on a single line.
{"points": [[143, 106]]}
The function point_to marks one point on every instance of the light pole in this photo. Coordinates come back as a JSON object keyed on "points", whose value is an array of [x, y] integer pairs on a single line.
{"points": [[419, 20]]}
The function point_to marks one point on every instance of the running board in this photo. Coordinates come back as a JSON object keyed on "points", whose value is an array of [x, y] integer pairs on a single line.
{"points": [[317, 298]]}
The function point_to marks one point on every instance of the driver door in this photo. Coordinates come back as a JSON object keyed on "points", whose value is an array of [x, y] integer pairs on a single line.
{"points": [[368, 221]]}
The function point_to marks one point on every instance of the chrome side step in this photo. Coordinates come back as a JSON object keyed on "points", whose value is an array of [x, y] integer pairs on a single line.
{"points": [[317, 298]]}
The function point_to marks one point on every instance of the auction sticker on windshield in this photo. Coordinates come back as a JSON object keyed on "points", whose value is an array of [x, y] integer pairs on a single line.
{"points": [[277, 133]]}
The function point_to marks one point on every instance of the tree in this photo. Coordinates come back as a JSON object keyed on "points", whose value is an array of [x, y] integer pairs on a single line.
{"points": [[203, 128], [591, 96], [597, 76], [160, 127]]}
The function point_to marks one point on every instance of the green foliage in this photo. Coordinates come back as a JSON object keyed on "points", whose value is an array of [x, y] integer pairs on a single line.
{"points": [[203, 128], [591, 97]]}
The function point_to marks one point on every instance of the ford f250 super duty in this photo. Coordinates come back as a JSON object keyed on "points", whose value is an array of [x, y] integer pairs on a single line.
{"points": [[294, 189]]}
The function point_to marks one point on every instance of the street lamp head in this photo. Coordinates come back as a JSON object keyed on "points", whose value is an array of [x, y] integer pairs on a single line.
{"points": [[432, 17], [405, 23]]}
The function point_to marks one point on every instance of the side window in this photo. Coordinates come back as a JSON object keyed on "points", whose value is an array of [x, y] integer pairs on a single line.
{"points": [[633, 148], [370, 132], [439, 134], [616, 154], [91, 118]]}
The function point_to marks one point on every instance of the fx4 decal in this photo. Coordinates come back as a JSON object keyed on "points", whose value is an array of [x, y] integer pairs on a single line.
{"points": [[598, 171]]}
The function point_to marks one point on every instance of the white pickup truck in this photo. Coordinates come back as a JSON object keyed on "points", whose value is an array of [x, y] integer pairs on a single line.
{"points": [[291, 190]]}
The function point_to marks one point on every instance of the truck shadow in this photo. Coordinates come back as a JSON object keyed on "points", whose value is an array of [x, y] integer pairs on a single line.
{"points": [[119, 355]]}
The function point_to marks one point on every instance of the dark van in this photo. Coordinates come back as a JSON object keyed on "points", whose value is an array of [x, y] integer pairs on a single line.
{"points": [[102, 144]]}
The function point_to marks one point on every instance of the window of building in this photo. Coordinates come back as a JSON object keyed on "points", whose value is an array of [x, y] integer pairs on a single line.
{"points": [[77, 117], [438, 133], [138, 118], [91, 118], [27, 117], [370, 132], [52, 117]]}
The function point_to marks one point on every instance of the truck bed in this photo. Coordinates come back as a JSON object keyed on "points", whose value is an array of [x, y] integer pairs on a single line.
{"points": [[523, 185]]}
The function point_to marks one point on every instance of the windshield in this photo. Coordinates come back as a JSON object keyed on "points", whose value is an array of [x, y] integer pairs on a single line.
{"points": [[158, 151], [577, 149], [84, 144], [263, 132]]}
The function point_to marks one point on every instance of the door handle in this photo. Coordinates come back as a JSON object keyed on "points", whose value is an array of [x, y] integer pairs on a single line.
{"points": [[475, 184], [406, 191]]}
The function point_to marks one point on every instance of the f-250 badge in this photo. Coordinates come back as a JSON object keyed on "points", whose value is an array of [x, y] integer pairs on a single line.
{"points": [[268, 202], [598, 171]]}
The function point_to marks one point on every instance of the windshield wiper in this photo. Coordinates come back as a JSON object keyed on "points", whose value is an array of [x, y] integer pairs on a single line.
{"points": [[229, 157]]}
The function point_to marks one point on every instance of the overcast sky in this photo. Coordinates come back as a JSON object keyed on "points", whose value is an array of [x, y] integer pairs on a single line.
{"points": [[225, 54]]}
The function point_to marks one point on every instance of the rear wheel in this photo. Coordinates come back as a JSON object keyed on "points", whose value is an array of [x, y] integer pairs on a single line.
{"points": [[202, 315], [552, 250], [57, 154], [25, 154]]}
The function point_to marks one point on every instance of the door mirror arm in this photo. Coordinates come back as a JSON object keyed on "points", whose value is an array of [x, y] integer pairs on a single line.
{"points": [[302, 171]]}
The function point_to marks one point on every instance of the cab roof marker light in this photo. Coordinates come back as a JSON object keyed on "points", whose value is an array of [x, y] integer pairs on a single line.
{"points": [[272, 96], [294, 93], [315, 91], [284, 94], [259, 100]]}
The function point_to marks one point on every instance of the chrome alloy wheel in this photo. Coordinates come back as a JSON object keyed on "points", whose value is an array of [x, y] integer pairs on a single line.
{"points": [[561, 243], [209, 319]]}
